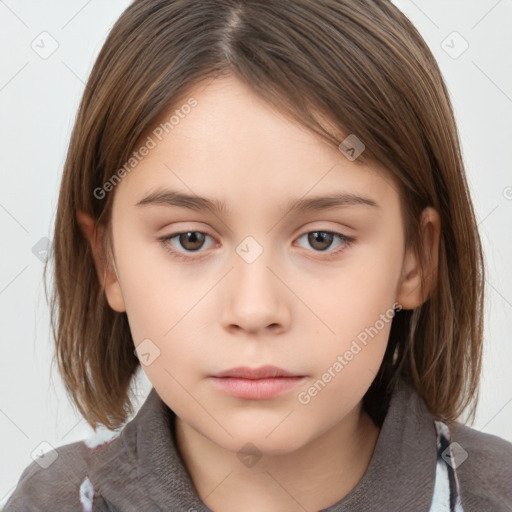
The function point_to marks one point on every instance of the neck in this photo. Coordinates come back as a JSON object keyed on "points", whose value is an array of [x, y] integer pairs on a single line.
{"points": [[315, 476]]}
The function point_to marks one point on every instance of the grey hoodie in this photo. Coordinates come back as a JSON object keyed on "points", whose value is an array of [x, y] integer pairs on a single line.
{"points": [[415, 467]]}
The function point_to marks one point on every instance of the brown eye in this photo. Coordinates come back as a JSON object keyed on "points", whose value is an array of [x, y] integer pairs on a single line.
{"points": [[180, 245], [191, 240], [320, 240]]}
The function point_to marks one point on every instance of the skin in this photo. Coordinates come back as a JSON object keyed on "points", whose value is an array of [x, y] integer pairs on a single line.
{"points": [[292, 307]]}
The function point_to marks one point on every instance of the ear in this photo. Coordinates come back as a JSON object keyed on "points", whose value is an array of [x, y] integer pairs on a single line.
{"points": [[410, 295], [107, 274]]}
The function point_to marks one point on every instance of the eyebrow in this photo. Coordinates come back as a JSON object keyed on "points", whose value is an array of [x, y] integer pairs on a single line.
{"points": [[194, 202]]}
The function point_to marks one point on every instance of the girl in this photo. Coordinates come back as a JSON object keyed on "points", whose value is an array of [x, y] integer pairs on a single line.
{"points": [[264, 207]]}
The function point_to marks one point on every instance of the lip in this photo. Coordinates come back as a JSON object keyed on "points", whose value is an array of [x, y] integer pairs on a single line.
{"points": [[262, 372], [263, 383]]}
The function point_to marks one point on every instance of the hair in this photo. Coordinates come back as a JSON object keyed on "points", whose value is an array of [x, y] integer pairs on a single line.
{"points": [[364, 68]]}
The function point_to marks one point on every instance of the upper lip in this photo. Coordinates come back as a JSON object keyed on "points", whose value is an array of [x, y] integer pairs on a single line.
{"points": [[263, 372]]}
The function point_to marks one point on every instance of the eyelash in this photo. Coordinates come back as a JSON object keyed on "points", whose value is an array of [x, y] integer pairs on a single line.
{"points": [[347, 241]]}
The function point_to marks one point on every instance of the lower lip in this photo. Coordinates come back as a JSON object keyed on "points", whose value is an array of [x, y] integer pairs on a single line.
{"points": [[256, 389]]}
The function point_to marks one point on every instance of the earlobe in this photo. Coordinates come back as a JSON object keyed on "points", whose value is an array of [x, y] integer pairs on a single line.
{"points": [[411, 294], [106, 273], [113, 292]]}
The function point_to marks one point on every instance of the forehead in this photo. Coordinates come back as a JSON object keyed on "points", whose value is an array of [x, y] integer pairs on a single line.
{"points": [[232, 144]]}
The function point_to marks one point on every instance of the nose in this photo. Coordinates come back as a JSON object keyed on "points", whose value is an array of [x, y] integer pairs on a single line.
{"points": [[256, 299]]}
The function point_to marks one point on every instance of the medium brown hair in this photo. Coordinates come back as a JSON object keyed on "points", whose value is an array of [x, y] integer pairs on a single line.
{"points": [[362, 66]]}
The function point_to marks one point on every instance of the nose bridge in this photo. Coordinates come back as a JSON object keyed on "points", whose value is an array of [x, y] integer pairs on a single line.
{"points": [[255, 299], [252, 274]]}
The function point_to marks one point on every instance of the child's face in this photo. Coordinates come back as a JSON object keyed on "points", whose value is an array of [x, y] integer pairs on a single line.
{"points": [[257, 291]]}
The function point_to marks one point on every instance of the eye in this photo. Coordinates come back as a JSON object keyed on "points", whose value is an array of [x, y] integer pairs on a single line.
{"points": [[191, 241], [322, 240]]}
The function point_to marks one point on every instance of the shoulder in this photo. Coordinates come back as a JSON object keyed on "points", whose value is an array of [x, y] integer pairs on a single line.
{"points": [[58, 480], [51, 481], [484, 470]]}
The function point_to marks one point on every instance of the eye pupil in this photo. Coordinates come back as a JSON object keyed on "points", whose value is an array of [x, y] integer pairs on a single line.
{"points": [[194, 237], [322, 237]]}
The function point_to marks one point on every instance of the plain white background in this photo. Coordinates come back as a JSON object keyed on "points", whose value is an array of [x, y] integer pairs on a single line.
{"points": [[38, 101]]}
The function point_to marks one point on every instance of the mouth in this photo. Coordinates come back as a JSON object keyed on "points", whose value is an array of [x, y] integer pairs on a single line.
{"points": [[263, 372], [261, 383]]}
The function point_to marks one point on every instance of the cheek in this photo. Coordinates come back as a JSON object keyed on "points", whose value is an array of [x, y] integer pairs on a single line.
{"points": [[356, 306], [353, 296], [167, 305], [157, 292]]}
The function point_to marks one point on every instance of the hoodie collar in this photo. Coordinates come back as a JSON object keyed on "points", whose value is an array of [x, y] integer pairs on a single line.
{"points": [[142, 468], [401, 473]]}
